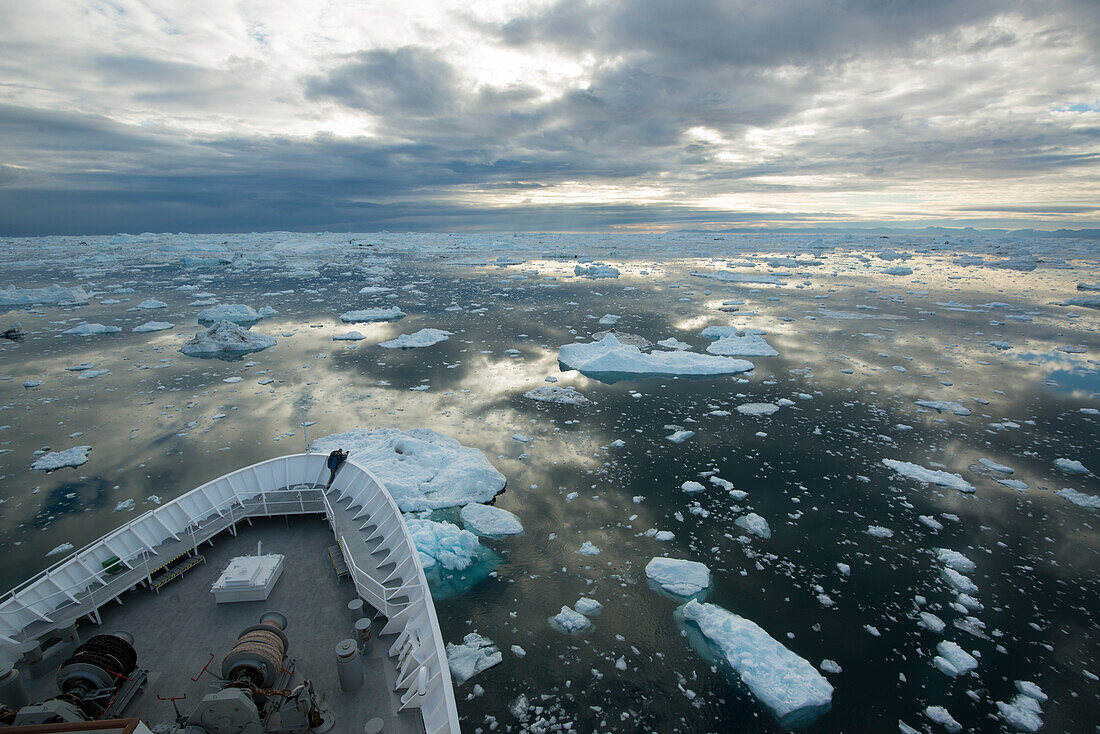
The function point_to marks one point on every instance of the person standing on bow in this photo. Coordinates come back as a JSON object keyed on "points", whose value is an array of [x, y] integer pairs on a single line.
{"points": [[336, 459]]}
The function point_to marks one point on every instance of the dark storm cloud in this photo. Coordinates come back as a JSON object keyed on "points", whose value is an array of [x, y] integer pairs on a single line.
{"points": [[409, 81]]}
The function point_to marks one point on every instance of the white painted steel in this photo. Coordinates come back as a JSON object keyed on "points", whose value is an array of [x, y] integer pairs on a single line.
{"points": [[78, 585]]}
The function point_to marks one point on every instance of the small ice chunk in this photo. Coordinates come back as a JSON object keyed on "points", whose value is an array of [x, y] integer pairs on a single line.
{"points": [[125, 505], [757, 409], [569, 620], [941, 716], [153, 326], [930, 522], [588, 607], [678, 576], [958, 581], [955, 560], [1088, 501], [945, 406], [60, 549], [87, 329], [990, 464], [152, 303], [692, 487], [830, 666], [680, 436], [932, 623], [755, 524], [475, 654], [372, 314], [237, 313], [880, 532], [422, 338], [788, 685], [609, 356], [444, 543], [561, 395], [1070, 466], [845, 569], [351, 336], [750, 345], [953, 660], [489, 520], [588, 549]]}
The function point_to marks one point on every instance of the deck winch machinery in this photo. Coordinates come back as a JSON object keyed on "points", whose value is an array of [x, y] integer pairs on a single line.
{"points": [[95, 682]]}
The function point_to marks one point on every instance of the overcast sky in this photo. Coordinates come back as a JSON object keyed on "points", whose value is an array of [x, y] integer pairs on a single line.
{"points": [[213, 115]]}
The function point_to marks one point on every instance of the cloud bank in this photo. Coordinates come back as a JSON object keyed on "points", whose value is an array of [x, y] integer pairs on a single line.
{"points": [[662, 114]]}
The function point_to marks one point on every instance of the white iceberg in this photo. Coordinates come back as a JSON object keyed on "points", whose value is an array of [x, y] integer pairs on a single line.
{"points": [[788, 685], [226, 338], [678, 576], [588, 548], [87, 329], [953, 660], [153, 326], [238, 313], [489, 520], [1070, 466], [60, 549], [151, 303], [749, 345], [422, 469], [930, 476], [351, 336], [757, 409], [954, 559], [75, 456], [588, 607], [475, 654], [443, 543], [755, 524], [422, 338], [1088, 501], [610, 356], [372, 314], [560, 395]]}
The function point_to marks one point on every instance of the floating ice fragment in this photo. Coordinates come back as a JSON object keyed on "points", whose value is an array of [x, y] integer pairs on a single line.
{"points": [[677, 576], [237, 313], [372, 314], [609, 356], [75, 456], [489, 520], [588, 549], [1070, 466], [568, 620], [929, 476], [226, 338], [87, 329], [153, 326], [954, 559], [953, 660], [151, 303], [1088, 501], [692, 487], [588, 607], [560, 395], [757, 409], [945, 406], [680, 436], [444, 543], [788, 685], [422, 338], [880, 532], [475, 654], [941, 716], [58, 550]]}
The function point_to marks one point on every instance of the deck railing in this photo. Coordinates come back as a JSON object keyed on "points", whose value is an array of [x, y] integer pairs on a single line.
{"points": [[79, 584]]}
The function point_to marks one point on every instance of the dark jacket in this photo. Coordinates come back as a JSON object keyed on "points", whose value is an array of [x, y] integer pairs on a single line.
{"points": [[335, 459]]}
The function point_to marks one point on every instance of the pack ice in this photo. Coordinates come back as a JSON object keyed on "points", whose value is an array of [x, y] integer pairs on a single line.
{"points": [[422, 469], [610, 356], [787, 684]]}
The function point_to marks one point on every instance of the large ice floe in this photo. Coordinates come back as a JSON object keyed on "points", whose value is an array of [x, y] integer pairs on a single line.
{"points": [[421, 469], [238, 313], [475, 654], [225, 338], [561, 395], [443, 543], [788, 685], [75, 456], [930, 476], [1088, 501], [489, 520], [12, 296], [678, 576], [609, 356], [422, 338], [372, 314]]}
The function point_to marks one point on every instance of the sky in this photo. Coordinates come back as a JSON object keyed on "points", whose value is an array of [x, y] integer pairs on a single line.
{"points": [[555, 115]]}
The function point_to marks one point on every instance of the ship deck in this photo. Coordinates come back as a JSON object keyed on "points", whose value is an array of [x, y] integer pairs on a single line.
{"points": [[176, 631]]}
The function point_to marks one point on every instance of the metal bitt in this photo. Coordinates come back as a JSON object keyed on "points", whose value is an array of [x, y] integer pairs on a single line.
{"points": [[349, 666], [362, 633], [13, 692]]}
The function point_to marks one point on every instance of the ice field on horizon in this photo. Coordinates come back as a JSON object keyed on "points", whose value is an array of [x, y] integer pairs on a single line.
{"points": [[681, 483]]}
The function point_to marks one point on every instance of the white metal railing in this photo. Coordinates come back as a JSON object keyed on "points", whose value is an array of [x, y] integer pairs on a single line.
{"points": [[286, 485]]}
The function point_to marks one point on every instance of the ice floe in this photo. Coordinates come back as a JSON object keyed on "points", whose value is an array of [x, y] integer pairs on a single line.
{"points": [[422, 469], [569, 620], [757, 409], [372, 314], [787, 684], [489, 520], [153, 326], [87, 329], [678, 576], [755, 524], [553, 394], [930, 476], [1070, 466], [422, 338], [596, 270], [609, 356], [1088, 501], [475, 654], [953, 660], [75, 456], [945, 406], [237, 313], [54, 294], [750, 345]]}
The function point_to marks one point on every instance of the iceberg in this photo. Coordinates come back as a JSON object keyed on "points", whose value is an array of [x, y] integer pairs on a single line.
{"points": [[930, 476], [596, 270], [237, 313], [489, 520], [225, 338], [954, 559], [1088, 501], [560, 395], [75, 456], [351, 336], [1070, 466], [678, 576], [475, 654], [422, 469], [788, 685], [609, 356], [151, 303], [588, 607], [755, 524], [953, 660], [443, 543], [422, 338], [757, 409], [372, 314], [153, 326]]}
